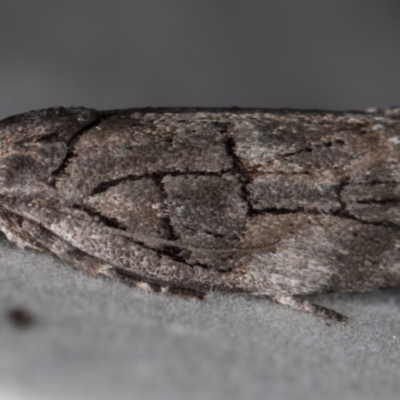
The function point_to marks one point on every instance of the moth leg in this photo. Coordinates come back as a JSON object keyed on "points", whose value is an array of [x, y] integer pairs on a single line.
{"points": [[306, 306], [30, 234], [16, 233], [129, 279], [183, 292], [169, 290], [94, 266]]}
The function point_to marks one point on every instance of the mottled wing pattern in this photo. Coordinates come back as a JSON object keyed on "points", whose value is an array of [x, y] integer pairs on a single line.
{"points": [[265, 202]]}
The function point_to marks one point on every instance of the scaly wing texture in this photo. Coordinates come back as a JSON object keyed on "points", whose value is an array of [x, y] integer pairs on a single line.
{"points": [[268, 202]]}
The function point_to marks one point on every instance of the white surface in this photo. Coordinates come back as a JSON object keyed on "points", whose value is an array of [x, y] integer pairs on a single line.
{"points": [[98, 339]]}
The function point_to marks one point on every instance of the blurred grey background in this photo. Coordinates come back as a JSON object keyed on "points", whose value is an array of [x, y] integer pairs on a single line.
{"points": [[89, 338], [115, 54]]}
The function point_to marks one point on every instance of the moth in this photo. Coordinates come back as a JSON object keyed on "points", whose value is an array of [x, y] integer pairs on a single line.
{"points": [[276, 203]]}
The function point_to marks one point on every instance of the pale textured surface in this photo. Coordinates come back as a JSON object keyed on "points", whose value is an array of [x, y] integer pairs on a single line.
{"points": [[96, 339]]}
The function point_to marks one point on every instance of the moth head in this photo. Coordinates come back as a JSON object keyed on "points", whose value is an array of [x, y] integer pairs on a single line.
{"points": [[34, 145]]}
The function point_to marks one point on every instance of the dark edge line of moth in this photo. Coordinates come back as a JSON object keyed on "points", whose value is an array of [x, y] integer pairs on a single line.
{"points": [[75, 138]]}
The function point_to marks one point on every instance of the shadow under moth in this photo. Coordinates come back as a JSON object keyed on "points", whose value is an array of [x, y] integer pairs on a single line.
{"points": [[278, 203]]}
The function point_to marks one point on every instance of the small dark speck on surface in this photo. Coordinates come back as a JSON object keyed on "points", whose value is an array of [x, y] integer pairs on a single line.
{"points": [[21, 318]]}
